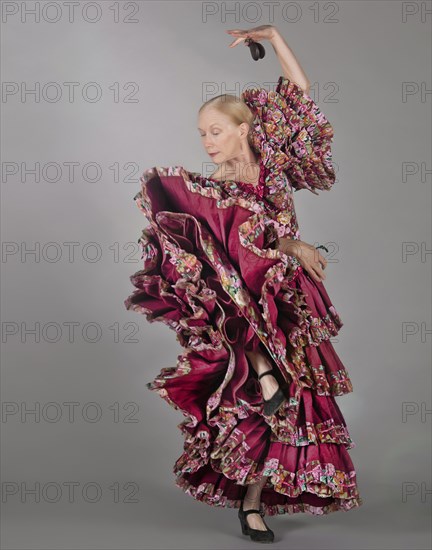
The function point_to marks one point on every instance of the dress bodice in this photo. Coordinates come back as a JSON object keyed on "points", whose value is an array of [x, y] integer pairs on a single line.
{"points": [[249, 188]]}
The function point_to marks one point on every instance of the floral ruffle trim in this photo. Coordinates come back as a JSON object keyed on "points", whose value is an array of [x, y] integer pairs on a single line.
{"points": [[293, 137], [227, 455], [190, 268], [284, 273], [283, 424], [189, 297], [225, 452], [229, 439], [320, 479]]}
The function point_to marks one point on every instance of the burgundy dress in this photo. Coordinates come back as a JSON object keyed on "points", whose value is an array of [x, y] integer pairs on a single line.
{"points": [[212, 272]]}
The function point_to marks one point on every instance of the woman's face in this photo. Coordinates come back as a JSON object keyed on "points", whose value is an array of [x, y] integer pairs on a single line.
{"points": [[221, 138]]}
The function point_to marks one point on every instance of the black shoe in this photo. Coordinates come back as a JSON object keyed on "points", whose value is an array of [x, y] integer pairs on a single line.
{"points": [[255, 534], [273, 404]]}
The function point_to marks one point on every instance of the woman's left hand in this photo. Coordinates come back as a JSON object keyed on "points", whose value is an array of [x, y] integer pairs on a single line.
{"points": [[263, 32], [307, 255]]}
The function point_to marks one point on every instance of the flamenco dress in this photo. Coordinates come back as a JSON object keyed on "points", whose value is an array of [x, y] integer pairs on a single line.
{"points": [[212, 273]]}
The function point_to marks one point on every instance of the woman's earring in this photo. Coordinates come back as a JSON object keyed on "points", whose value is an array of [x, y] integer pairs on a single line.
{"points": [[256, 48]]}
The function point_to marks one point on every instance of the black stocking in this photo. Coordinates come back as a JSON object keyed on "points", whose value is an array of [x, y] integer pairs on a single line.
{"points": [[252, 498]]}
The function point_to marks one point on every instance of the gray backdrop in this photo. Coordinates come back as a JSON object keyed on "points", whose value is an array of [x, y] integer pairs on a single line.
{"points": [[67, 337]]}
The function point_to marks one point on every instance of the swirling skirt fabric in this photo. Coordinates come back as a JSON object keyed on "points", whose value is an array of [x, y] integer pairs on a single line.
{"points": [[208, 275]]}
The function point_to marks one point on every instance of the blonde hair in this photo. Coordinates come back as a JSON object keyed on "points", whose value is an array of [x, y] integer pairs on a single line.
{"points": [[235, 108]]}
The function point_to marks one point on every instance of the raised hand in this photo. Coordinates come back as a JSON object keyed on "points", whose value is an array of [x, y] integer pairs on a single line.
{"points": [[263, 32]]}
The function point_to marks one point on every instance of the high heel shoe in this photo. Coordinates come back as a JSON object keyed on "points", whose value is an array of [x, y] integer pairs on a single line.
{"points": [[273, 404], [255, 534]]}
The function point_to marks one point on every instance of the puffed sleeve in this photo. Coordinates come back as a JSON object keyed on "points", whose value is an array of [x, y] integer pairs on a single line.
{"points": [[293, 135]]}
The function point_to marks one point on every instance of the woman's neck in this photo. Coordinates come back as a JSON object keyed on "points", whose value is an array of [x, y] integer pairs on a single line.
{"points": [[246, 170]]}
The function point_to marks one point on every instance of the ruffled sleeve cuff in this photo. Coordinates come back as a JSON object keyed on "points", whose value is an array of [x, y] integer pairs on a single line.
{"points": [[291, 129]]}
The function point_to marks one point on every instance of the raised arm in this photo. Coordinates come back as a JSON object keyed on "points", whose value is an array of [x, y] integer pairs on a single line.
{"points": [[291, 68]]}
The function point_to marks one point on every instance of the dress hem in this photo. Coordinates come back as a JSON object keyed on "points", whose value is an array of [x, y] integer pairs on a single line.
{"points": [[206, 494]]}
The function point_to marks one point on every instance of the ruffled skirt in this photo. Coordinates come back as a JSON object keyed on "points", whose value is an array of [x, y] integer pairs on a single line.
{"points": [[222, 298]]}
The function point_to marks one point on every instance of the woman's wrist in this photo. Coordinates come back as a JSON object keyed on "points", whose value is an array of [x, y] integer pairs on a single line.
{"points": [[275, 35], [292, 247]]}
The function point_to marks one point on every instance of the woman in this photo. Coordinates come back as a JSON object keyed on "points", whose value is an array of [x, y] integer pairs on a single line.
{"points": [[225, 268]]}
